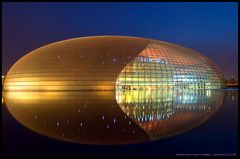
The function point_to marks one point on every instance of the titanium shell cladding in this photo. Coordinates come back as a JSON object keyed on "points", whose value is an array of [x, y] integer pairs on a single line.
{"points": [[112, 63]]}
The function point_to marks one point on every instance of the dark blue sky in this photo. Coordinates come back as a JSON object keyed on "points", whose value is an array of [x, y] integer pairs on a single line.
{"points": [[210, 28]]}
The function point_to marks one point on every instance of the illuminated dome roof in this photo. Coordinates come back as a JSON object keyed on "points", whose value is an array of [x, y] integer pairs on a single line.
{"points": [[112, 63]]}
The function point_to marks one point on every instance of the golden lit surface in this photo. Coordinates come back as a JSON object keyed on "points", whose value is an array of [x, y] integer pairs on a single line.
{"points": [[112, 90], [91, 63], [108, 117], [112, 62]]}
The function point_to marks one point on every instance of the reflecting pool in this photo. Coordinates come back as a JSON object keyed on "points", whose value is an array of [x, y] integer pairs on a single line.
{"points": [[108, 117]]}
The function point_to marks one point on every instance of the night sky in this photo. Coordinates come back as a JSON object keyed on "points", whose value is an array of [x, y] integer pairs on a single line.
{"points": [[209, 28]]}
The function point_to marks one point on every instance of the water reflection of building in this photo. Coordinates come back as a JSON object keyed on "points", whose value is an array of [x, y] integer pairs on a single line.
{"points": [[162, 113], [232, 95], [86, 117], [146, 105]]}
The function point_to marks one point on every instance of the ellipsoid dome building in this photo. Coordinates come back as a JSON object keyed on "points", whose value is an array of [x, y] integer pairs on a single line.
{"points": [[112, 63]]}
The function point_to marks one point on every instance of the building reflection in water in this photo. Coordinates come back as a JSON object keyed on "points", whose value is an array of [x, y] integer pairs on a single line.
{"points": [[166, 113], [231, 94], [108, 117]]}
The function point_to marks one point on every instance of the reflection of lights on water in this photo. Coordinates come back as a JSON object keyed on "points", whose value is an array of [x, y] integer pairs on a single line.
{"points": [[145, 105], [142, 107], [152, 113], [208, 93]]}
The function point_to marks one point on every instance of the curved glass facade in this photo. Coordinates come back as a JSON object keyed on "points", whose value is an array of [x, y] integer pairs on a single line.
{"points": [[167, 66], [112, 63]]}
